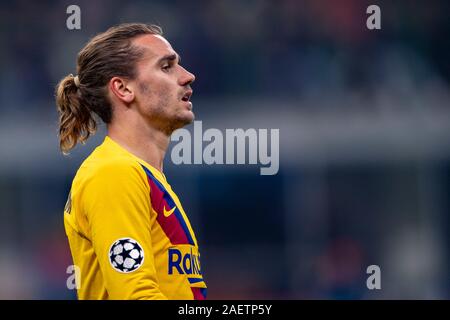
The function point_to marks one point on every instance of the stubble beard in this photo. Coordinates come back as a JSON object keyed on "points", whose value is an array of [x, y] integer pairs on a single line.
{"points": [[160, 115], [169, 122]]}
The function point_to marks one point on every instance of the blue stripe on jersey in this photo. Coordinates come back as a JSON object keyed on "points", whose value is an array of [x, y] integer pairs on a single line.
{"points": [[171, 203], [195, 280]]}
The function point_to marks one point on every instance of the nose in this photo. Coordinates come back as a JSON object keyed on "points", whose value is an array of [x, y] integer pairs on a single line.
{"points": [[186, 77]]}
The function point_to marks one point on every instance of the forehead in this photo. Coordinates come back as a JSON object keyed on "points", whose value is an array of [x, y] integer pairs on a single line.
{"points": [[155, 46]]}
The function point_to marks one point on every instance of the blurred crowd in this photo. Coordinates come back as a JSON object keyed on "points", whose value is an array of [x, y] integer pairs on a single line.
{"points": [[308, 232], [284, 49]]}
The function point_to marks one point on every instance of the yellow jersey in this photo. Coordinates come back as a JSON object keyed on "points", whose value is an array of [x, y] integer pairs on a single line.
{"points": [[128, 233]]}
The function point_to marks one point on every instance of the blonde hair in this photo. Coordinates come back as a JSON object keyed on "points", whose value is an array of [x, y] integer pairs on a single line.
{"points": [[78, 98]]}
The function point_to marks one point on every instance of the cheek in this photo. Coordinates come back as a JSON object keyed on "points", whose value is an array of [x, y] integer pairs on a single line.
{"points": [[157, 93], [166, 93], [163, 100]]}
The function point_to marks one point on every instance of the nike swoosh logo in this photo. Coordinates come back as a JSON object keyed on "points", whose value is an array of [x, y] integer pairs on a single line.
{"points": [[168, 213]]}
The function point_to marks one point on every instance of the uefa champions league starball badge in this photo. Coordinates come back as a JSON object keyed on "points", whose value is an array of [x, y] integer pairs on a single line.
{"points": [[126, 255]]}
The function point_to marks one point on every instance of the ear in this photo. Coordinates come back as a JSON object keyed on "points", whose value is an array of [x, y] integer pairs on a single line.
{"points": [[121, 89]]}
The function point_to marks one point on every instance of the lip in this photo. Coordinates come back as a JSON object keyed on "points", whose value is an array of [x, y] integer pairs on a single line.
{"points": [[187, 96], [188, 104]]}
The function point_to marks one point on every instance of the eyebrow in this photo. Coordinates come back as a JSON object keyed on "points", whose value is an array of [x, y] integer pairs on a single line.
{"points": [[169, 57]]}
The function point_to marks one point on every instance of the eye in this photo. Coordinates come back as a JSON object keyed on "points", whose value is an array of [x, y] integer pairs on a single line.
{"points": [[166, 67]]}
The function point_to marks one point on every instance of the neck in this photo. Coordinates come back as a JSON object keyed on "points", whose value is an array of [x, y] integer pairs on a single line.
{"points": [[149, 144]]}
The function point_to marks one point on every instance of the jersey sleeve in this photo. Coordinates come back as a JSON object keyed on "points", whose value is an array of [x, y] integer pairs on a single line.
{"points": [[117, 207]]}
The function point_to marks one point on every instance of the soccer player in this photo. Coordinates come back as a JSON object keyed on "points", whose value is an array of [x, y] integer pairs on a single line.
{"points": [[127, 230]]}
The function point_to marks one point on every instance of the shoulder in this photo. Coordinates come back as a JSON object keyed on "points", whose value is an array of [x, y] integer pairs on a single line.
{"points": [[115, 169]]}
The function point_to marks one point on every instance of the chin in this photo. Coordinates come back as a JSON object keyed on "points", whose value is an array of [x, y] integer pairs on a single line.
{"points": [[180, 122], [191, 117], [186, 118]]}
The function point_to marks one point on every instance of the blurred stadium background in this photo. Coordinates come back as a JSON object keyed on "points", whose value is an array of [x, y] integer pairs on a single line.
{"points": [[364, 125]]}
